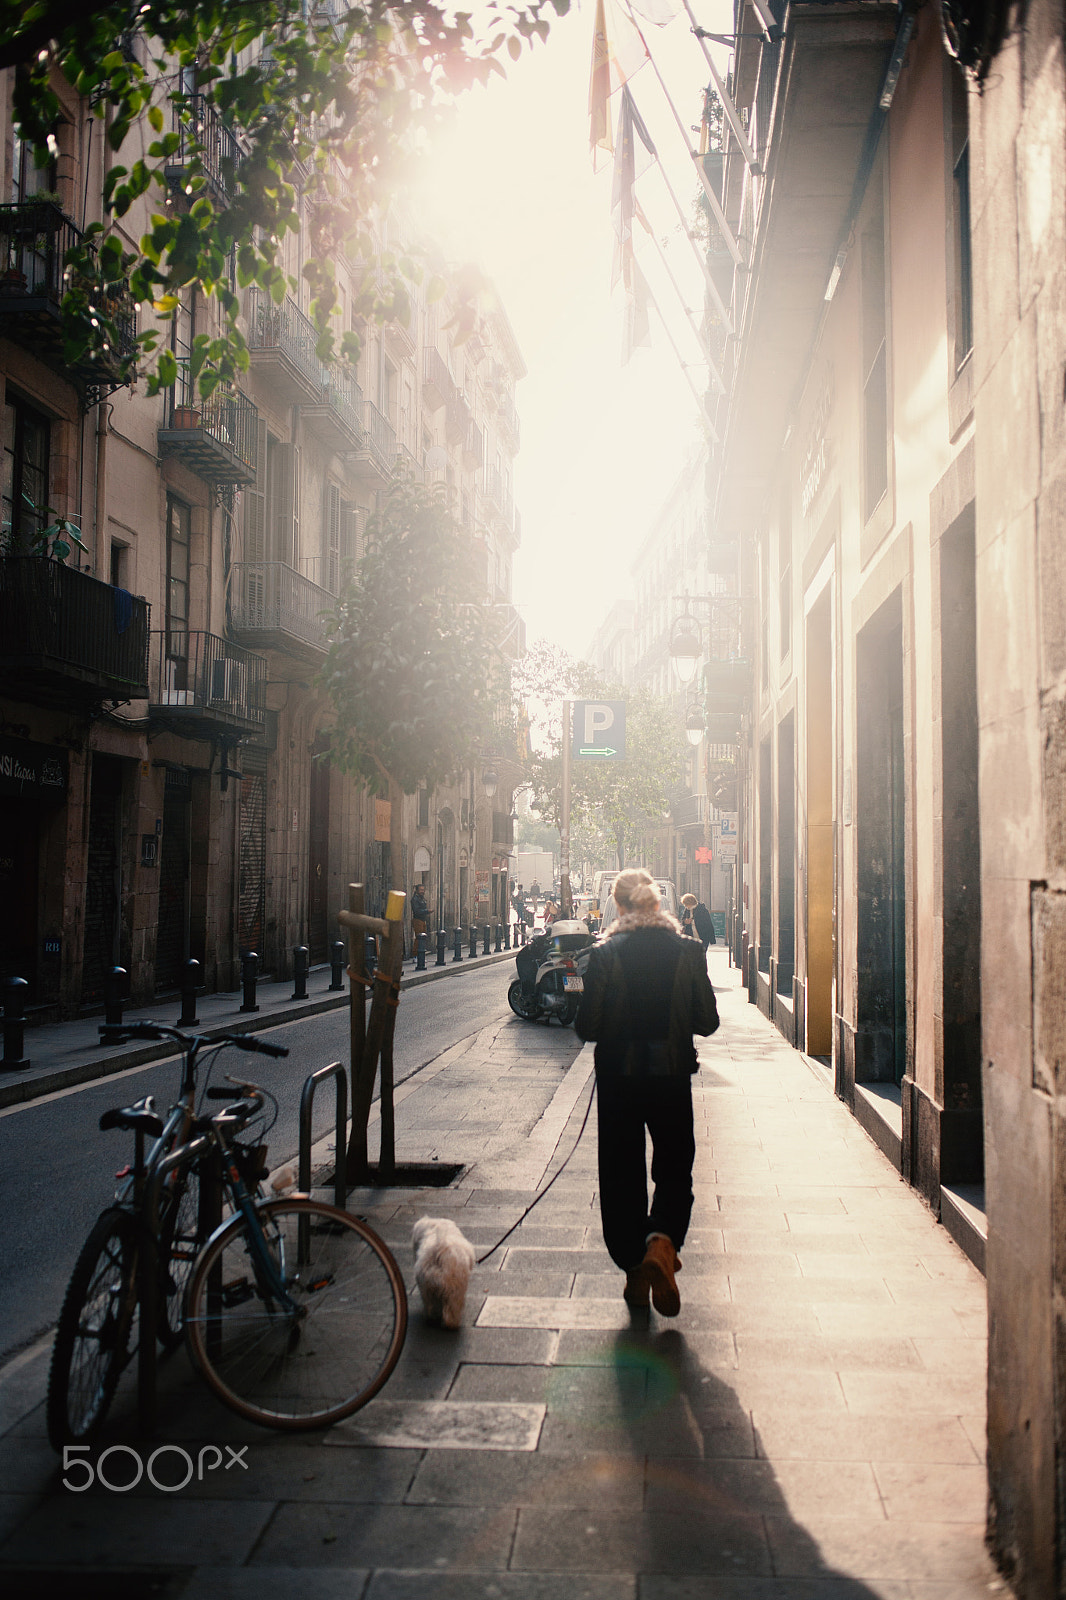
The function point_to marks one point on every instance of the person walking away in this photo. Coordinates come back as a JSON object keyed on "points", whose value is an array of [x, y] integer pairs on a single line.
{"points": [[646, 993], [419, 914], [688, 924]]}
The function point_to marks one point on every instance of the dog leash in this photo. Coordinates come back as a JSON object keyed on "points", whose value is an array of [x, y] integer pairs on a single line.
{"points": [[539, 1197]]}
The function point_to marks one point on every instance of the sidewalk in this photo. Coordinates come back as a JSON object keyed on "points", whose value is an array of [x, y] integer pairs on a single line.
{"points": [[65, 1053], [811, 1425]]}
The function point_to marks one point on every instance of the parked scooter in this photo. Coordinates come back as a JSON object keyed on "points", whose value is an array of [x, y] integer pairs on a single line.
{"points": [[551, 970]]}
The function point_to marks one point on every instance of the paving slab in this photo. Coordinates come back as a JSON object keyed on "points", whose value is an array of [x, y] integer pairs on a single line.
{"points": [[809, 1428]]}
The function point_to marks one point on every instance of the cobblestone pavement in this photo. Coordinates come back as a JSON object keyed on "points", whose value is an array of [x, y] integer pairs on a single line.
{"points": [[811, 1425]]}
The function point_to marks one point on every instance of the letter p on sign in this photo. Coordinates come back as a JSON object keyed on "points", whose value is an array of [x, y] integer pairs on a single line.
{"points": [[599, 729]]}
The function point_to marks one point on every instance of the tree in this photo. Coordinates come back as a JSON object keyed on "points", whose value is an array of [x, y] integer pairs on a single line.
{"points": [[322, 99], [622, 797], [410, 671]]}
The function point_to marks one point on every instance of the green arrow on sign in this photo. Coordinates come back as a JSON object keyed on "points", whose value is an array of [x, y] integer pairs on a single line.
{"points": [[597, 750]]}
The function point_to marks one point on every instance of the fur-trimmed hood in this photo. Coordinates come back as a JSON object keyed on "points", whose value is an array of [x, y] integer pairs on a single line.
{"points": [[632, 920]]}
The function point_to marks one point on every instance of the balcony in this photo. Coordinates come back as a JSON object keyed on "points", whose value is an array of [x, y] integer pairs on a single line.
{"points": [[497, 501], [274, 607], [200, 685], [378, 454], [691, 810], [208, 149], [456, 418], [474, 446], [438, 385], [67, 638], [281, 347], [336, 419], [508, 424], [405, 464], [35, 238], [216, 438]]}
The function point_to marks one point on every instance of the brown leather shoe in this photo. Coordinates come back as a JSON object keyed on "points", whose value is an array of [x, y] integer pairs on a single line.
{"points": [[637, 1292], [658, 1267]]}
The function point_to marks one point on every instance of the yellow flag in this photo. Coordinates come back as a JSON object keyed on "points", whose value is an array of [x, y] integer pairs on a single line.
{"points": [[600, 87]]}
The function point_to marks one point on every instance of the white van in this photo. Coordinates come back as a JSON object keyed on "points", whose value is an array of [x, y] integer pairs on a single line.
{"points": [[667, 890]]}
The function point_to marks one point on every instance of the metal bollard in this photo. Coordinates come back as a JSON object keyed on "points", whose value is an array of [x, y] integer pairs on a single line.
{"points": [[114, 996], [15, 992], [507, 936], [371, 956], [457, 954], [420, 958], [484, 939], [299, 972], [442, 940], [472, 932], [249, 974], [499, 937], [190, 988], [338, 960]]}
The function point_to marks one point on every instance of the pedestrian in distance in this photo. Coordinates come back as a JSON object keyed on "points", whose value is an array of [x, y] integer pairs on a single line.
{"points": [[697, 922], [419, 913], [646, 993]]}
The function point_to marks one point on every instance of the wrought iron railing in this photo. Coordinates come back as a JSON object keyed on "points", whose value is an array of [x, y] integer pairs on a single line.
{"points": [[202, 676], [205, 137], [435, 373], [268, 597], [344, 397], [690, 810], [55, 615], [35, 239], [285, 328], [228, 416], [380, 437], [508, 419]]}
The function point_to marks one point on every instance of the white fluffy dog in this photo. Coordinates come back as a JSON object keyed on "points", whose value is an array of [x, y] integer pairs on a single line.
{"points": [[444, 1261]]}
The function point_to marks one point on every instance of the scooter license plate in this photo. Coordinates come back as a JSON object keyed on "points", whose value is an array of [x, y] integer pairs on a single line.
{"points": [[574, 985]]}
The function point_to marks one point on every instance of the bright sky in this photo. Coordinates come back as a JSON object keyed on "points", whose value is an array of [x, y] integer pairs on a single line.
{"points": [[513, 189]]}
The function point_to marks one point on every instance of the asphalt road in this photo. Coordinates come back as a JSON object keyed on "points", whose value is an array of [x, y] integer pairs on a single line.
{"points": [[57, 1171]]}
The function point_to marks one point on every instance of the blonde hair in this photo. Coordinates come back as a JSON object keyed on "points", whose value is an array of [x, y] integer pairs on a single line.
{"points": [[636, 890]]}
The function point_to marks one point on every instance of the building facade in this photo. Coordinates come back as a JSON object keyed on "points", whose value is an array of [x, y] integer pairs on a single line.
{"points": [[163, 778], [891, 471]]}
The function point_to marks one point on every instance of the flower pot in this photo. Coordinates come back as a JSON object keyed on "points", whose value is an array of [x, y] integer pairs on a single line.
{"points": [[185, 417]]}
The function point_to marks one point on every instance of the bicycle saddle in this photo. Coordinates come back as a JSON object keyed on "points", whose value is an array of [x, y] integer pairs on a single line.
{"points": [[142, 1117]]}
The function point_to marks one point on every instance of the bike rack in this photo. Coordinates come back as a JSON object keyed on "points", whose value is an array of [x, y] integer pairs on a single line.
{"points": [[307, 1101]]}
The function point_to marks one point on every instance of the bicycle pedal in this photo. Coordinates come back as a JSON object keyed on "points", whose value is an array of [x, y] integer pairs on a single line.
{"points": [[126, 1172]]}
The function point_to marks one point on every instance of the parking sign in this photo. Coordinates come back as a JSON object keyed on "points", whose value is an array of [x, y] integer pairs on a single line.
{"points": [[599, 730]]}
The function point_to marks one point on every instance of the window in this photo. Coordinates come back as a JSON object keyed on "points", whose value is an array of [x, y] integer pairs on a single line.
{"points": [[874, 352], [26, 179], [960, 190], [177, 596], [423, 808], [25, 482]]}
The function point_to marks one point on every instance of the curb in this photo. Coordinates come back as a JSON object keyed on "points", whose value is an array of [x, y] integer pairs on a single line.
{"points": [[12, 1094]]}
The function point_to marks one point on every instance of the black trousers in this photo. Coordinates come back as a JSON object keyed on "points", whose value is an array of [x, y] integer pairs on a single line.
{"points": [[625, 1108]]}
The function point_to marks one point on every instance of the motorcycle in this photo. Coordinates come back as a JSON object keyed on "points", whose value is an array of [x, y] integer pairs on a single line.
{"points": [[551, 970]]}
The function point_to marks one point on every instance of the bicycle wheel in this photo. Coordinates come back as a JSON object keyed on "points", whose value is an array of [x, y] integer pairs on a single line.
{"points": [[93, 1333], [179, 1244], [310, 1369]]}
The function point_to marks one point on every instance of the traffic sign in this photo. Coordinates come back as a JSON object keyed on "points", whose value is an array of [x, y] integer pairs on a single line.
{"points": [[599, 730]]}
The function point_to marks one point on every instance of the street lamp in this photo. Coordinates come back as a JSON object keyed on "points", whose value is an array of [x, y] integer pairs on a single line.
{"points": [[695, 724], [490, 782], [686, 647]]}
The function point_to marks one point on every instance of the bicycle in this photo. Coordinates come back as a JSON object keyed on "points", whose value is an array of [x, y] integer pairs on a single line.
{"points": [[295, 1311]]}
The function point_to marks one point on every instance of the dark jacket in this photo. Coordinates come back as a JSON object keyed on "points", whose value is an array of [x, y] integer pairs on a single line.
{"points": [[646, 993], [704, 924]]}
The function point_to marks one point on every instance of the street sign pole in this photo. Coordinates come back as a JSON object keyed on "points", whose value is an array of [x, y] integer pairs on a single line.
{"points": [[566, 905]]}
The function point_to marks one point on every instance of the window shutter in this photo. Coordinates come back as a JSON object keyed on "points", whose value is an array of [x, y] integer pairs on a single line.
{"points": [[333, 538], [254, 529]]}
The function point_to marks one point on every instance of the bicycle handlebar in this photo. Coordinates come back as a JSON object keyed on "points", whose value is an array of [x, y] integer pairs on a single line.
{"points": [[122, 1033]]}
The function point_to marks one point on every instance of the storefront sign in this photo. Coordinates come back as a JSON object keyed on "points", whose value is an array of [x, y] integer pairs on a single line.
{"points": [[32, 771]]}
